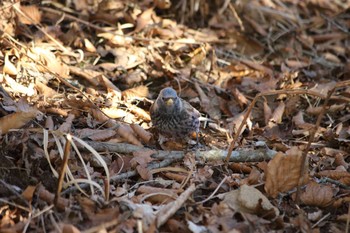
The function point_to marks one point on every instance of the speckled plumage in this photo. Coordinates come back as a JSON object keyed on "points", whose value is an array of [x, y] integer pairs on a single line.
{"points": [[173, 116]]}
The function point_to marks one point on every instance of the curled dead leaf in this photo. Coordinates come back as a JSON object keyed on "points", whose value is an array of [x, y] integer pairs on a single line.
{"points": [[89, 46], [128, 134], [16, 120], [267, 112], [114, 112], [248, 199], [276, 117], [317, 195], [283, 172], [45, 90]]}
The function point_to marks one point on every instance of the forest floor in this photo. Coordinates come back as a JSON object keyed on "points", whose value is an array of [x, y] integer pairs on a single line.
{"points": [[78, 152]]}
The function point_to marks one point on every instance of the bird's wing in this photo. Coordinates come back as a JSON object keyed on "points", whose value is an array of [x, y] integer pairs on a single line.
{"points": [[190, 109]]}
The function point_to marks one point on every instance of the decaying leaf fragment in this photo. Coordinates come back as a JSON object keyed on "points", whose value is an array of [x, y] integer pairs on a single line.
{"points": [[283, 171]]}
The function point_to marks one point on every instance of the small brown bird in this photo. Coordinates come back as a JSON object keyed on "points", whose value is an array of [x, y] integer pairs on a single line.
{"points": [[173, 116]]}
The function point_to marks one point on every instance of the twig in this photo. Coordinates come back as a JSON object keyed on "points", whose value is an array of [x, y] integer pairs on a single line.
{"points": [[63, 168], [319, 221], [348, 220], [312, 136], [213, 193], [168, 210], [242, 155], [236, 16], [336, 182]]}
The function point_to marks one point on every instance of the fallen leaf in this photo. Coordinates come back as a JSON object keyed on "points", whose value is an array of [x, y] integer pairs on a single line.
{"points": [[283, 172], [248, 199], [16, 120], [317, 195]]}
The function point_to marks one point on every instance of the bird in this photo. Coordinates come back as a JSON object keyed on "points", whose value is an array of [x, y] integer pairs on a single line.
{"points": [[173, 116]]}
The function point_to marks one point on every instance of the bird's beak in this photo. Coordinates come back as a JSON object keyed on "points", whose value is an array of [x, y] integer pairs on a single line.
{"points": [[169, 102]]}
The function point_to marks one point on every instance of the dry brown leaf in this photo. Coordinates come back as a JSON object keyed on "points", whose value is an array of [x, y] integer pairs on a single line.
{"points": [[259, 67], [254, 176], [209, 103], [32, 15], [235, 122], [341, 201], [69, 228], [267, 112], [16, 120], [139, 112], [298, 120], [89, 46], [276, 117], [340, 161], [248, 199], [67, 125], [142, 158], [144, 172], [317, 195], [49, 60], [135, 93], [88, 74], [332, 109], [28, 193], [96, 215], [175, 176], [323, 88], [334, 174], [204, 174], [57, 111], [110, 86], [159, 195], [45, 195], [146, 18], [45, 90], [296, 64], [142, 133], [96, 134], [49, 123], [128, 134], [116, 37], [283, 172], [328, 151], [114, 112], [240, 98]]}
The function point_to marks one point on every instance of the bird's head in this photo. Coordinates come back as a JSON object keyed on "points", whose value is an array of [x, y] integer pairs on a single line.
{"points": [[168, 100]]}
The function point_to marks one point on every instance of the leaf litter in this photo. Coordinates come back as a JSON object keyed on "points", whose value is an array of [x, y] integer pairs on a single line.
{"points": [[79, 153]]}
